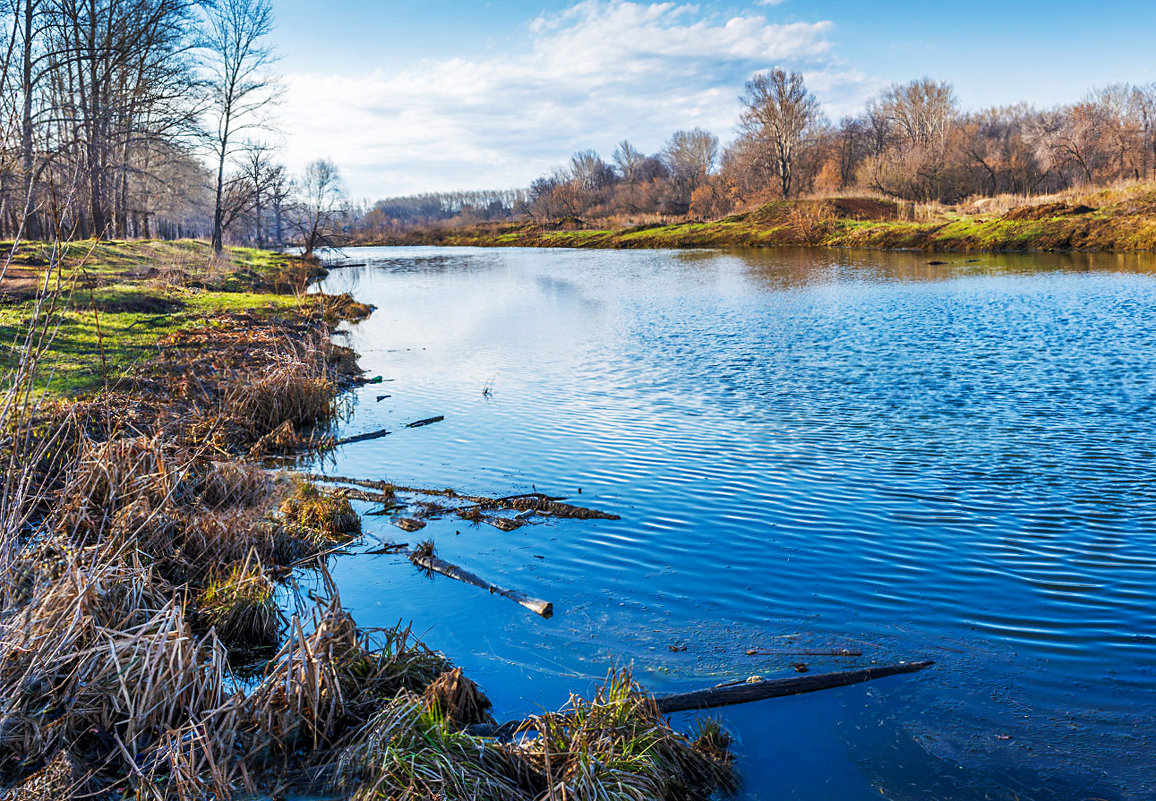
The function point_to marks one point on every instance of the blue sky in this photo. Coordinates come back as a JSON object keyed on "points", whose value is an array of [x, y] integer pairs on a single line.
{"points": [[433, 95]]}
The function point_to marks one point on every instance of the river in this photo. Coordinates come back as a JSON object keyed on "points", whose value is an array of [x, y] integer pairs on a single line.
{"points": [[809, 450]]}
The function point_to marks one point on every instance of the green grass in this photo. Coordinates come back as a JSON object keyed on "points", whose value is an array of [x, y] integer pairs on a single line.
{"points": [[116, 300]]}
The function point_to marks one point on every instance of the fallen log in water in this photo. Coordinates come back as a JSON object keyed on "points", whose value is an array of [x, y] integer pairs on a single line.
{"points": [[424, 557], [804, 652], [528, 502], [361, 437], [738, 693], [427, 421], [747, 691]]}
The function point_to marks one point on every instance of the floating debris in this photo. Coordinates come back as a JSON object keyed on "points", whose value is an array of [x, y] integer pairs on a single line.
{"points": [[361, 437], [408, 523], [504, 523]]}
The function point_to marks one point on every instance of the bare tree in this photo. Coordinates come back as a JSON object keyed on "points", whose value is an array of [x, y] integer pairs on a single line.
{"points": [[322, 205], [690, 156], [280, 195], [779, 114], [921, 112], [240, 82], [628, 159]]}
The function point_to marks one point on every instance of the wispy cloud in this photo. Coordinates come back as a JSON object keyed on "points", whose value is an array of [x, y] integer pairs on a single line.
{"points": [[589, 76]]}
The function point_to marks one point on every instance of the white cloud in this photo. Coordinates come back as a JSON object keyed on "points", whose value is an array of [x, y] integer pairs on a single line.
{"points": [[591, 75]]}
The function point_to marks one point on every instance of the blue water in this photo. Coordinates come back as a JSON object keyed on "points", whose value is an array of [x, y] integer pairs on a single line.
{"points": [[809, 450]]}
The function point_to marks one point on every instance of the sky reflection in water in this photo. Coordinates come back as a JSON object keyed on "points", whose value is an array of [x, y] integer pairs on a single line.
{"points": [[865, 450]]}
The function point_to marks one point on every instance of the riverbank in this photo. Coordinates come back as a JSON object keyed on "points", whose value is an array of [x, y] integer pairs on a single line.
{"points": [[154, 641], [1119, 220]]}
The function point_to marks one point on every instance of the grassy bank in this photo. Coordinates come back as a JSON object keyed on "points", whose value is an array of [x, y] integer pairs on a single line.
{"points": [[111, 305], [1117, 220], [145, 538]]}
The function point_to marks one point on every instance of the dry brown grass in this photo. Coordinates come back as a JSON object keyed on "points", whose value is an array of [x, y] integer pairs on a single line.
{"points": [[327, 514], [285, 392], [240, 606], [453, 696]]}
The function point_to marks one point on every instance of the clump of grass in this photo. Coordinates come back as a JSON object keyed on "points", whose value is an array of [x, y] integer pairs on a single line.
{"points": [[282, 440], [457, 699], [331, 676], [240, 606], [110, 476], [224, 537], [289, 391], [618, 745], [336, 308], [409, 751], [101, 661], [234, 484], [328, 515]]}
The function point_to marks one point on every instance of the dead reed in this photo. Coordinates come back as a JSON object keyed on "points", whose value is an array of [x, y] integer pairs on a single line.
{"points": [[327, 515], [240, 606]]}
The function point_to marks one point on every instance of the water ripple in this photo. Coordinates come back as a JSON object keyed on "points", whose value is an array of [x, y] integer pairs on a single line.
{"points": [[844, 448]]}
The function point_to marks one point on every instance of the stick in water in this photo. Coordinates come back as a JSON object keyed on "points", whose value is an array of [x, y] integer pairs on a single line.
{"points": [[424, 558], [362, 437]]}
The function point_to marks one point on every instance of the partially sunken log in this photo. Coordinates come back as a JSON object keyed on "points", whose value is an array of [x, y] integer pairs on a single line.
{"points": [[424, 557], [529, 502], [737, 693], [361, 438], [747, 691]]}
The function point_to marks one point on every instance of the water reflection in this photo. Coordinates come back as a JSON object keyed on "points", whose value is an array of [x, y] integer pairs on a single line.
{"points": [[951, 461]]}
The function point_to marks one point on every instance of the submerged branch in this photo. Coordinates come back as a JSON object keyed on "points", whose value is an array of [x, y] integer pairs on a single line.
{"points": [[424, 557]]}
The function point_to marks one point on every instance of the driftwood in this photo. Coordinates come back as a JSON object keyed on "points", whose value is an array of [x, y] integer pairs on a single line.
{"points": [[747, 691], [737, 693], [435, 565], [389, 547], [528, 502], [361, 437], [427, 421]]}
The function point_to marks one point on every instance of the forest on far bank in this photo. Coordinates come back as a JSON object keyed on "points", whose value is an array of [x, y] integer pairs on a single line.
{"points": [[911, 143]]}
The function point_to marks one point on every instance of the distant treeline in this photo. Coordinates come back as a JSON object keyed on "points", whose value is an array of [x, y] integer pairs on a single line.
{"points": [[403, 213], [912, 142]]}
